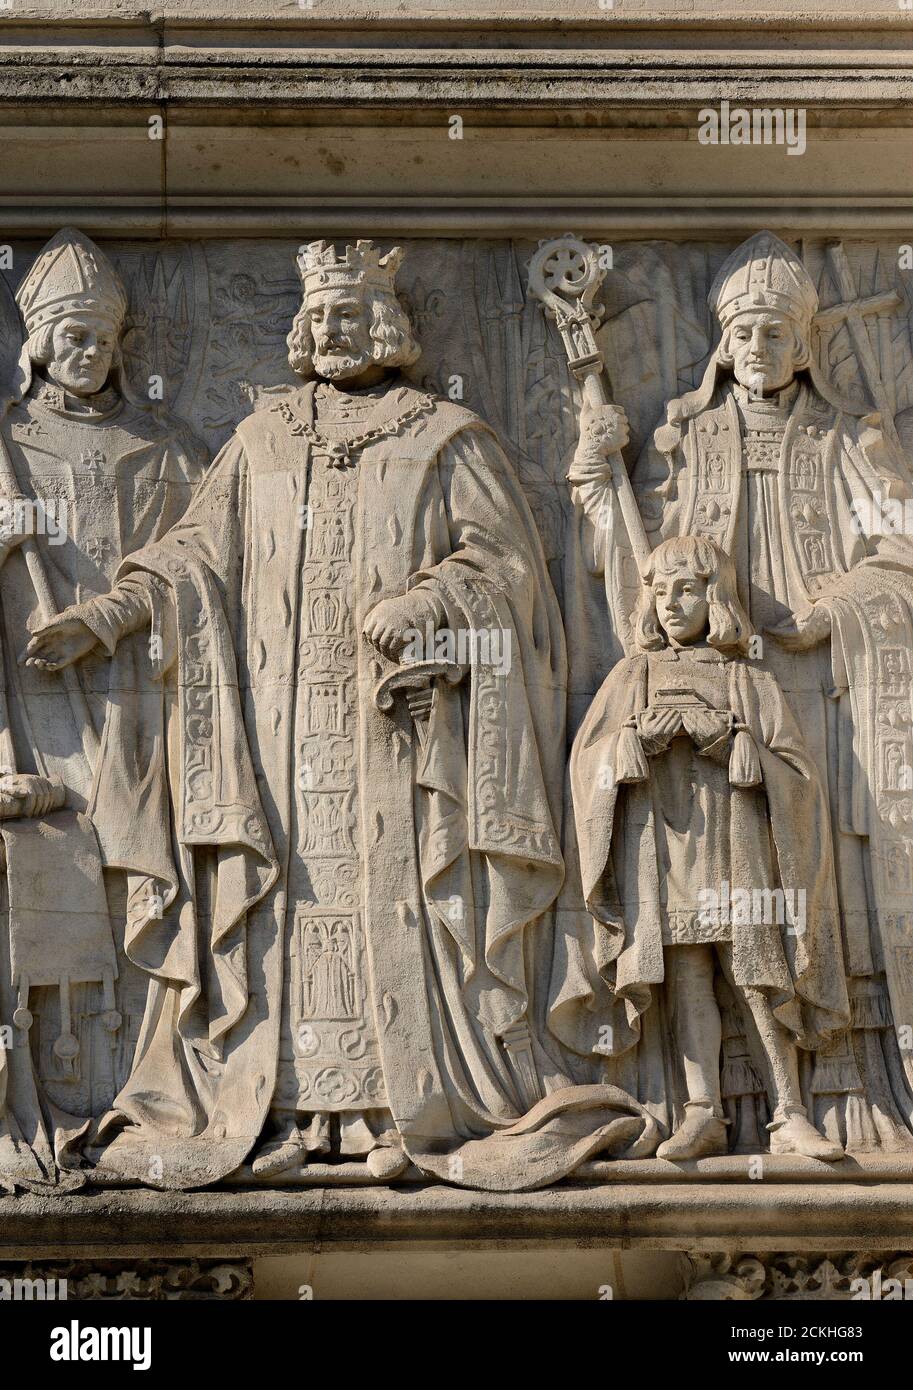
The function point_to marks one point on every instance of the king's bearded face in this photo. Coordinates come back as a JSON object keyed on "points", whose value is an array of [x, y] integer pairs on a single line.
{"points": [[81, 352], [765, 349], [341, 329]]}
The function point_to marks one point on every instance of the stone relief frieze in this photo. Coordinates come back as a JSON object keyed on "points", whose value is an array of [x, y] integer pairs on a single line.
{"points": [[455, 709], [792, 1278]]}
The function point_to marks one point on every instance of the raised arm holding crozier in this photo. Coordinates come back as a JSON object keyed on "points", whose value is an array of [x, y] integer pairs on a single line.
{"points": [[566, 276], [765, 459]]}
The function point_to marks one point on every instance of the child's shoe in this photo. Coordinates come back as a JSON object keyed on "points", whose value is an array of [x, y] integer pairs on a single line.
{"points": [[795, 1134], [701, 1135]]}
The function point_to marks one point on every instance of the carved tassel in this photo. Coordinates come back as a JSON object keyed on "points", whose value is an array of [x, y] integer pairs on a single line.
{"points": [[66, 1046], [744, 763], [630, 760]]}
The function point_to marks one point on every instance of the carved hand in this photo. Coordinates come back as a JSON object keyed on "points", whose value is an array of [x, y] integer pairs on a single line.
{"points": [[388, 623], [800, 634], [59, 644], [657, 728], [12, 536], [603, 430], [24, 795], [708, 729]]}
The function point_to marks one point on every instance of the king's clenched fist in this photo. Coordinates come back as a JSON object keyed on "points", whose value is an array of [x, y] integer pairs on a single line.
{"points": [[389, 624]]}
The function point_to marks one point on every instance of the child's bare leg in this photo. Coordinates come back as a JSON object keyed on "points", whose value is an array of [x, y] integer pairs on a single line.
{"points": [[697, 1031], [791, 1130], [696, 1020]]}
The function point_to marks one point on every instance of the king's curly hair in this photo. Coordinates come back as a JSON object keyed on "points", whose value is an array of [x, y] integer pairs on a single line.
{"points": [[728, 625], [391, 333]]}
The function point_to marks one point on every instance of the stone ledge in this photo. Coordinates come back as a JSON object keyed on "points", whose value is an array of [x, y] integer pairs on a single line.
{"points": [[440, 14], [733, 1168], [390, 53], [245, 1223], [375, 79], [155, 217]]}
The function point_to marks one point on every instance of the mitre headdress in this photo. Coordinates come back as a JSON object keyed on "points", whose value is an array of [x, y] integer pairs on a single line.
{"points": [[362, 265], [763, 273], [71, 275]]}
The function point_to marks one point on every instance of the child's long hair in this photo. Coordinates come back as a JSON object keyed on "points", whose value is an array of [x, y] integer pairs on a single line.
{"points": [[728, 626]]}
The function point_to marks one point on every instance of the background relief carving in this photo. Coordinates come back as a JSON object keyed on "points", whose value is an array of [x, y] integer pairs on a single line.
{"points": [[205, 336], [212, 318]]}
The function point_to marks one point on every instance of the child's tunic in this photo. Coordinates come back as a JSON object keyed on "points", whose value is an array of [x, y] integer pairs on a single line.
{"points": [[691, 802]]}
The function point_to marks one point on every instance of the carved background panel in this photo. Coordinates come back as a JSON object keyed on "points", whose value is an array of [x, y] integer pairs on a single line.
{"points": [[211, 319]]}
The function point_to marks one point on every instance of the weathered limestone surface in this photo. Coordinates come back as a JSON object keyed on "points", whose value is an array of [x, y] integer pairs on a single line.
{"points": [[334, 120], [455, 674]]}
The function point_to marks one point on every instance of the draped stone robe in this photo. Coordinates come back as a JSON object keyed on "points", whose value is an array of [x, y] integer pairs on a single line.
{"points": [[119, 476], [648, 847], [788, 488], [470, 817]]}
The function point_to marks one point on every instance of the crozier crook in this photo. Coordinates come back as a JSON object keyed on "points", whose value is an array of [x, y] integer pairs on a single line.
{"points": [[565, 275]]}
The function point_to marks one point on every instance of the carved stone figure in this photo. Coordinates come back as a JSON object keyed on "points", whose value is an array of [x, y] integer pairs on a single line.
{"points": [[691, 780], [366, 848], [304, 744], [765, 459], [86, 475]]}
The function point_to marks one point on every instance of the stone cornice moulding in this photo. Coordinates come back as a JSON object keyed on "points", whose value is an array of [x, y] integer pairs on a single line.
{"points": [[701, 216], [267, 77], [253, 1222], [508, 15], [521, 54]]}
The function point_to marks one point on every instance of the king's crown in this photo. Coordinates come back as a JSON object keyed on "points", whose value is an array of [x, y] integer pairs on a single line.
{"points": [[363, 265]]}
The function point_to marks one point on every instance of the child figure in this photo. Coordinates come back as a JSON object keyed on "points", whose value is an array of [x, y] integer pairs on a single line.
{"points": [[702, 824]]}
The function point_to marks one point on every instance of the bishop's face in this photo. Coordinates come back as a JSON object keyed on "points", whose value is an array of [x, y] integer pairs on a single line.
{"points": [[82, 349], [764, 349], [341, 328]]}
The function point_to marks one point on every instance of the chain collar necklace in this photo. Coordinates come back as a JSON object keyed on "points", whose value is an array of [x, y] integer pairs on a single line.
{"points": [[339, 452]]}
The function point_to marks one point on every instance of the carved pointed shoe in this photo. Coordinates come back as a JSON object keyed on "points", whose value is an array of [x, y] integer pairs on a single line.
{"points": [[279, 1155], [387, 1161], [701, 1135], [797, 1135]]}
